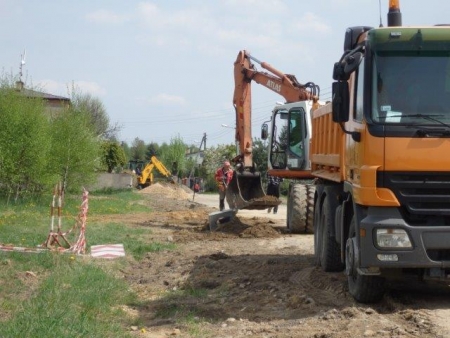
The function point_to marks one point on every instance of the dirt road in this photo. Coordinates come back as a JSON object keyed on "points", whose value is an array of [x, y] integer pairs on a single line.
{"points": [[253, 279], [212, 201]]}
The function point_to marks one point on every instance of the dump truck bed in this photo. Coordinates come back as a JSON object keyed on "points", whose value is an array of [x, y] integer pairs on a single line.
{"points": [[327, 146]]}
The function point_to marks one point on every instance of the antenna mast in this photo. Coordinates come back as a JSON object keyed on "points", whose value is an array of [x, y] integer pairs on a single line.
{"points": [[381, 22], [22, 63]]}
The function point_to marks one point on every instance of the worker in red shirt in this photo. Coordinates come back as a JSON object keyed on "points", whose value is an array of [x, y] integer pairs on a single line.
{"points": [[223, 177]]}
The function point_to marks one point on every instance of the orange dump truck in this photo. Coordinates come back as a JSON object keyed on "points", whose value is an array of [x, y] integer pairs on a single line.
{"points": [[380, 155]]}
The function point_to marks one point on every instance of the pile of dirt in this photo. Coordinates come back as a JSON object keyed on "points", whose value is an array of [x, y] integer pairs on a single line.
{"points": [[168, 190], [254, 227]]}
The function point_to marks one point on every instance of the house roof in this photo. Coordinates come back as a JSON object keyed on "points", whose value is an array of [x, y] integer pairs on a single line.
{"points": [[33, 93]]}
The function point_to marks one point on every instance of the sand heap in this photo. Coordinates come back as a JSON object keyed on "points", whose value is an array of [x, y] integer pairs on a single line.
{"points": [[168, 190]]}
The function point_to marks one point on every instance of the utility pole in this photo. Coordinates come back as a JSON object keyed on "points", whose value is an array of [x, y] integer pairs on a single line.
{"points": [[203, 142]]}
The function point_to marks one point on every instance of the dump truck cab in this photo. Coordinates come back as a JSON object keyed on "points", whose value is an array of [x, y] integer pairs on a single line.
{"points": [[382, 201]]}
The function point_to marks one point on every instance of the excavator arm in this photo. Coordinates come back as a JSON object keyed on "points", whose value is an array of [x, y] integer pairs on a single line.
{"points": [[161, 168], [245, 190], [146, 177], [285, 85]]}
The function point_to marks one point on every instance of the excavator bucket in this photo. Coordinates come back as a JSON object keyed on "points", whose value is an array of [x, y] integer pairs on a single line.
{"points": [[245, 192]]}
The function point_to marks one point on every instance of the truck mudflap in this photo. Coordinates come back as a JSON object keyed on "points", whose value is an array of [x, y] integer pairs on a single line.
{"points": [[245, 192]]}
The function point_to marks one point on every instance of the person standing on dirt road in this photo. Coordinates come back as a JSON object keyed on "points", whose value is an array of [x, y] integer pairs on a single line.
{"points": [[273, 189], [223, 177]]}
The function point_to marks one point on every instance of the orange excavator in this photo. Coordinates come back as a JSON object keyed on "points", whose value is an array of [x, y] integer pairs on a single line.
{"points": [[245, 190]]}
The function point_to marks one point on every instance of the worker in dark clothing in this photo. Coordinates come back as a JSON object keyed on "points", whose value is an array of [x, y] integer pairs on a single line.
{"points": [[273, 189], [223, 177]]}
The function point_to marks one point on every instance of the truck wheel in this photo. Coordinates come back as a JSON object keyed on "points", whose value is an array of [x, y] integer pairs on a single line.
{"points": [[365, 289], [330, 250], [289, 208], [301, 209], [317, 233]]}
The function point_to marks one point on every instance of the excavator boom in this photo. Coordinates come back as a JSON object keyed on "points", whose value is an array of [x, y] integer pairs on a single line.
{"points": [[161, 168], [146, 177], [245, 190]]}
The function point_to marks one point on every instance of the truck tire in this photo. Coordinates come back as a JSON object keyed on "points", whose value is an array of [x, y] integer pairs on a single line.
{"points": [[301, 209], [329, 250], [317, 233], [363, 288]]}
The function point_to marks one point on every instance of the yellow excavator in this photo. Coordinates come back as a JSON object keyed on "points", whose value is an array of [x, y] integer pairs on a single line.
{"points": [[145, 178]]}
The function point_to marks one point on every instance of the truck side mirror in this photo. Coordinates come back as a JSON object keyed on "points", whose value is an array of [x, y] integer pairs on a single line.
{"points": [[352, 62], [341, 101], [264, 131]]}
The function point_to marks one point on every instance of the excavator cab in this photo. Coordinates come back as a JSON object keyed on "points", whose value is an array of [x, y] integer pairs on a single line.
{"points": [[289, 137]]}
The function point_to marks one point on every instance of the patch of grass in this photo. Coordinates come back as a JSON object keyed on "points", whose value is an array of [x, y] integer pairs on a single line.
{"points": [[27, 224], [60, 295], [110, 191], [75, 300], [178, 303], [195, 292], [136, 241], [123, 202], [168, 311], [195, 327], [186, 316]]}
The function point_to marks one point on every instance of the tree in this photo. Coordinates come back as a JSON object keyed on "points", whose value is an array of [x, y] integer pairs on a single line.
{"points": [[126, 150], [174, 156], [24, 143], [138, 150], [100, 122], [152, 150], [75, 150], [260, 152], [213, 159], [113, 155]]}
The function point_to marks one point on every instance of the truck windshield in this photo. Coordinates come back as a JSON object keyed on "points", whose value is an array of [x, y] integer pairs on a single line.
{"points": [[409, 85]]}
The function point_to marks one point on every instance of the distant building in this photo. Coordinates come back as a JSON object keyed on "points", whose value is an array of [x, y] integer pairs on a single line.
{"points": [[198, 157], [54, 104]]}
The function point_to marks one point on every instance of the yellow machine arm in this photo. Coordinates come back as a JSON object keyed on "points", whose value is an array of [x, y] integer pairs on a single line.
{"points": [[146, 177], [161, 168]]}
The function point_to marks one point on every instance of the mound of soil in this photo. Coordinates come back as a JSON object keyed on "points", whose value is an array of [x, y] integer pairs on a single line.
{"points": [[168, 190]]}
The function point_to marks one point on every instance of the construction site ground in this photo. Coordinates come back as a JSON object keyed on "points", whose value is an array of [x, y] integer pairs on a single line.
{"points": [[251, 278]]}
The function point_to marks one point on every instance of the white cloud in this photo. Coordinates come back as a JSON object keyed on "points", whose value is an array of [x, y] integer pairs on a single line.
{"points": [[149, 11], [92, 88], [105, 16], [269, 6], [53, 87], [65, 89], [166, 99], [311, 23], [156, 18]]}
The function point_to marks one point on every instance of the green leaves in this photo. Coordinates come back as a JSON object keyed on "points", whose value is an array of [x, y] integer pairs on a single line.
{"points": [[42, 143]]}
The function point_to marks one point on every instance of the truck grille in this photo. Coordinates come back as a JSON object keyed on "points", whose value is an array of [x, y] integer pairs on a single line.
{"points": [[424, 196]]}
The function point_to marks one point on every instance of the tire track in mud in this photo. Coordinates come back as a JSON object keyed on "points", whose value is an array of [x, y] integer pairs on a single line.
{"points": [[323, 288]]}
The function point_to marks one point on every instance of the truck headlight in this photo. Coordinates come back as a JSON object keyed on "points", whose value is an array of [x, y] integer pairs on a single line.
{"points": [[393, 238]]}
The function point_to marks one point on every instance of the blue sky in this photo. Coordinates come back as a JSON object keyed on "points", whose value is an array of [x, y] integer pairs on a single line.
{"points": [[164, 69]]}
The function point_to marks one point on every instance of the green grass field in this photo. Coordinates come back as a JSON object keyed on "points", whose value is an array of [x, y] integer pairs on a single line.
{"points": [[51, 294]]}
